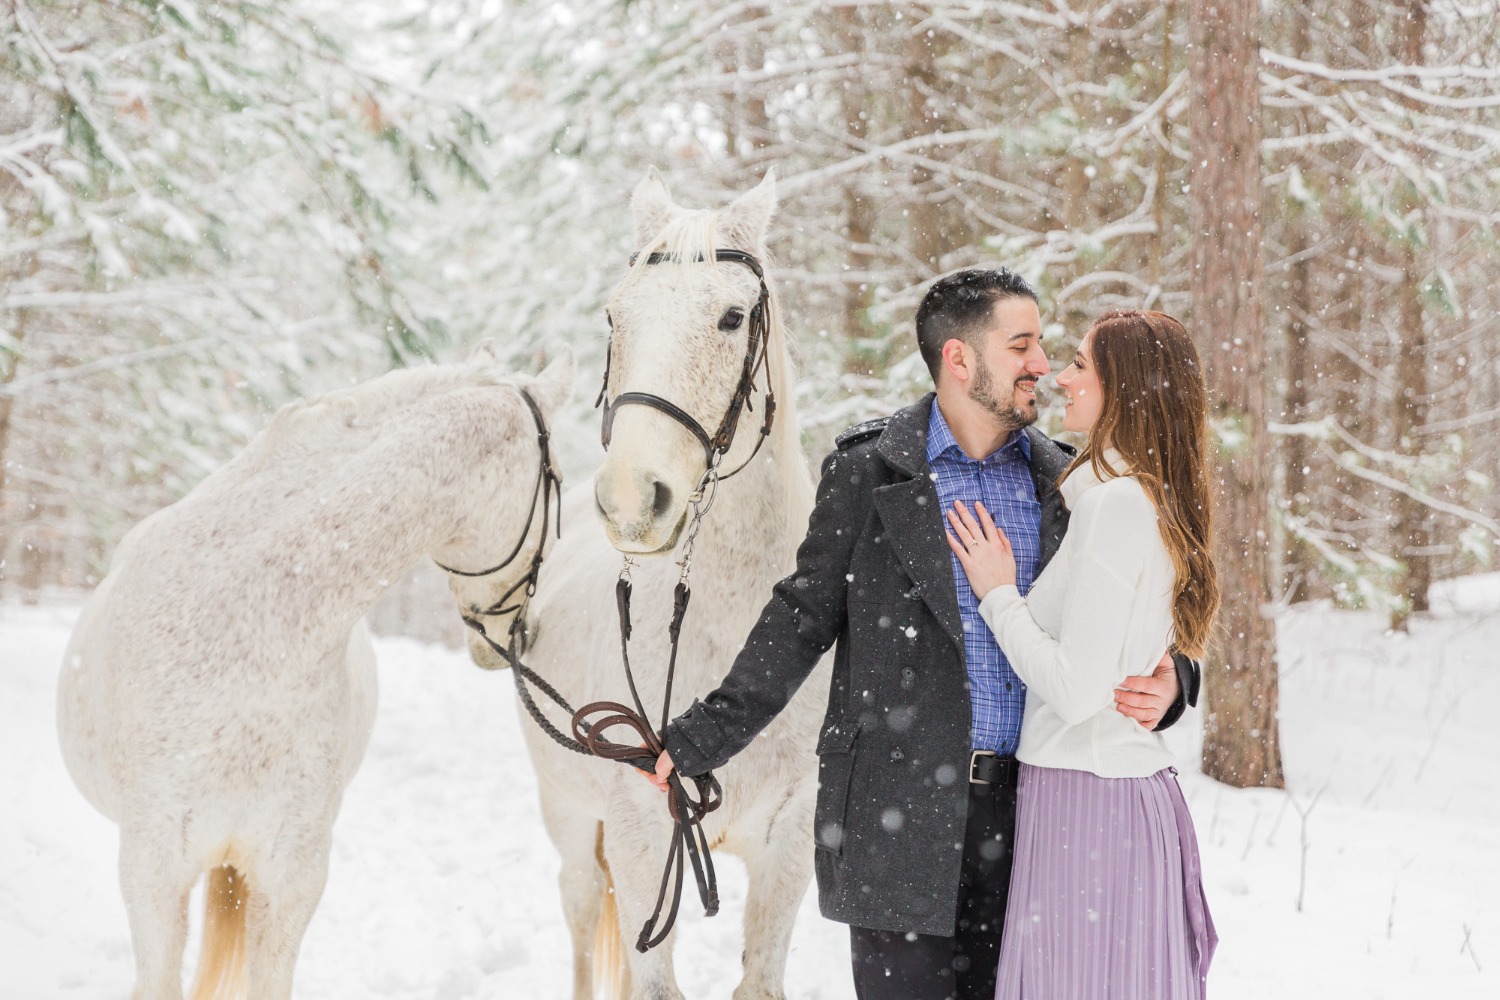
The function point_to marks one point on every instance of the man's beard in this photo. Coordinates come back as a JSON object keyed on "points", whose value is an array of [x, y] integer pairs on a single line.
{"points": [[1011, 416]]}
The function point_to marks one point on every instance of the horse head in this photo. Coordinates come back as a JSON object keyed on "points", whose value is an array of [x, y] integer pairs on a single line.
{"points": [[515, 506], [684, 328]]}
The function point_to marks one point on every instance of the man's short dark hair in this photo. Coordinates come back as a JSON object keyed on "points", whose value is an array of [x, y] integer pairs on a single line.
{"points": [[958, 306]]}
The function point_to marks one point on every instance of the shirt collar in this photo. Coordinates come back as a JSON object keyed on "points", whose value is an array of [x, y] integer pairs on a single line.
{"points": [[941, 442]]}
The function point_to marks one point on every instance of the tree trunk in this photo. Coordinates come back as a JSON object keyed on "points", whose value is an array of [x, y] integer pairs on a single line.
{"points": [[10, 364], [1241, 743], [1161, 238], [7, 371], [1298, 561], [1412, 400], [929, 240], [859, 213]]}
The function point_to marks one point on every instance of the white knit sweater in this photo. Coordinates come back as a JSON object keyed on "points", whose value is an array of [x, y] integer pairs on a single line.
{"points": [[1100, 612]]}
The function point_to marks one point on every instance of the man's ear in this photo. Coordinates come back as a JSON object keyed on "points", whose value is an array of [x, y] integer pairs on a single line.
{"points": [[956, 361]]}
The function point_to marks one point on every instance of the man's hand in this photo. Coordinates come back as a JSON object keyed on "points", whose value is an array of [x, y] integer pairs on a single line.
{"points": [[664, 769], [1144, 699]]}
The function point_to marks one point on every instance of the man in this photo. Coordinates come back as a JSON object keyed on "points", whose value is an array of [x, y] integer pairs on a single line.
{"points": [[916, 796]]}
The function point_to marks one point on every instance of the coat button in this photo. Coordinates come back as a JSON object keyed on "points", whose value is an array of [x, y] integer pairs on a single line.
{"points": [[897, 755], [908, 674]]}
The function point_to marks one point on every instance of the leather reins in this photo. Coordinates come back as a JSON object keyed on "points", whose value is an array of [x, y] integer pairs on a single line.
{"points": [[689, 843], [590, 722]]}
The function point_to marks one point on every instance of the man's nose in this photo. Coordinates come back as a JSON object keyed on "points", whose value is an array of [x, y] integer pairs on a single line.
{"points": [[1037, 364]]}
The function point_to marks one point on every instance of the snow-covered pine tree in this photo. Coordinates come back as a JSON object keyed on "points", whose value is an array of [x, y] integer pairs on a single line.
{"points": [[203, 211]]}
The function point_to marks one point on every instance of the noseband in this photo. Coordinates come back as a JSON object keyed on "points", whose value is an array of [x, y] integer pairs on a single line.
{"points": [[548, 483], [715, 447]]}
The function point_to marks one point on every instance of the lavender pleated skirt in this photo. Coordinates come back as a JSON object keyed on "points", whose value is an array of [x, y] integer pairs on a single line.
{"points": [[1106, 892]]}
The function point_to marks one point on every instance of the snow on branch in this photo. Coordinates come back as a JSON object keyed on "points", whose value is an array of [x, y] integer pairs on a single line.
{"points": [[1328, 429], [1384, 75]]}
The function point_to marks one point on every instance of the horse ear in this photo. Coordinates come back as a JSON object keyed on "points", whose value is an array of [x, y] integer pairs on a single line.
{"points": [[554, 385], [484, 353], [746, 219], [650, 206]]}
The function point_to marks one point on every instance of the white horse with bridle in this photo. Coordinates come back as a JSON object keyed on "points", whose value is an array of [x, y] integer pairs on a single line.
{"points": [[219, 689], [685, 326]]}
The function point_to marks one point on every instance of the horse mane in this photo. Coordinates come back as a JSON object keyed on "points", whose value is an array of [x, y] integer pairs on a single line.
{"points": [[786, 433], [345, 420], [691, 238]]}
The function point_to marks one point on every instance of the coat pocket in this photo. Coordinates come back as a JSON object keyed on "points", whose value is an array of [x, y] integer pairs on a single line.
{"points": [[835, 768]]}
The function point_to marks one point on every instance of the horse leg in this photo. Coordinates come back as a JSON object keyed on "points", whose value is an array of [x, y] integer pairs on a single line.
{"points": [[285, 886], [778, 866], [636, 850], [155, 883], [583, 883]]}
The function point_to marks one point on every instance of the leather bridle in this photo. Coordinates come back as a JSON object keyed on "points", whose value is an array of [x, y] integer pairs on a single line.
{"points": [[548, 484], [717, 445], [689, 846]]}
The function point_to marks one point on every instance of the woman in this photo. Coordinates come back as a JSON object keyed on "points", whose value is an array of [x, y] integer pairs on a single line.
{"points": [[1106, 898]]}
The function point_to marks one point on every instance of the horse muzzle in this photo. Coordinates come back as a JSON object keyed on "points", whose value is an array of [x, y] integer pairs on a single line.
{"points": [[644, 515], [483, 656]]}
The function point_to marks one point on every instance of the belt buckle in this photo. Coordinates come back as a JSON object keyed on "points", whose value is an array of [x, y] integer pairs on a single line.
{"points": [[973, 761]]}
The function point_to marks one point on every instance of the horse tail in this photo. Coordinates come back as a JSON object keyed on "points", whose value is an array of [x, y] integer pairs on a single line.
{"points": [[221, 963], [611, 973]]}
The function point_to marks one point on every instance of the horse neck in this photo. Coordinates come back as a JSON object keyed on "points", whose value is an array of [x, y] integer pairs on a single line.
{"points": [[759, 514], [360, 523]]}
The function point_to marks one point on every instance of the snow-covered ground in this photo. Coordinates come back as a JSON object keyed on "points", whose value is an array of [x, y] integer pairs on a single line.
{"points": [[1374, 876]]}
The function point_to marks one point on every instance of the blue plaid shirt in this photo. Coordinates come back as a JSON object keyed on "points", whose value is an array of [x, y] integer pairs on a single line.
{"points": [[1003, 482]]}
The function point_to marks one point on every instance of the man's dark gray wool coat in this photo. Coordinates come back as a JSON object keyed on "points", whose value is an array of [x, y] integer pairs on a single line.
{"points": [[874, 574]]}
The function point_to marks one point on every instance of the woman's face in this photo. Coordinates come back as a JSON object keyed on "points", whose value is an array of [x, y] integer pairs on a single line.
{"points": [[1080, 385]]}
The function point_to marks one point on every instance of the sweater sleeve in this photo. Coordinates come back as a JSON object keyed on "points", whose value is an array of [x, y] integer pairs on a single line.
{"points": [[1076, 672]]}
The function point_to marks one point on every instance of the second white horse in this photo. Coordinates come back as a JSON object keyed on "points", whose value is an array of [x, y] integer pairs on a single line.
{"points": [[219, 689]]}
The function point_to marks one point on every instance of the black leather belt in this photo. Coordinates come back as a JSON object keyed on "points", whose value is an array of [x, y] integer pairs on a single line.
{"points": [[988, 768]]}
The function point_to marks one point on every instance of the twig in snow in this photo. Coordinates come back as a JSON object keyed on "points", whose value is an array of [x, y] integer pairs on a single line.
{"points": [[1304, 814], [1468, 946], [1250, 837], [1438, 732], [1271, 837], [1390, 765]]}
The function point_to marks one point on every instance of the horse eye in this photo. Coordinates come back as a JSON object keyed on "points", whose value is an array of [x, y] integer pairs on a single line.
{"points": [[731, 320]]}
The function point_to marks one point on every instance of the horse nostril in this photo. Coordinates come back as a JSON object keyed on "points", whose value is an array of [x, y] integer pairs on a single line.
{"points": [[661, 501]]}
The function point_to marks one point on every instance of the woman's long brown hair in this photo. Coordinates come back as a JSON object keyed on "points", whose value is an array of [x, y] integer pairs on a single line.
{"points": [[1155, 414]]}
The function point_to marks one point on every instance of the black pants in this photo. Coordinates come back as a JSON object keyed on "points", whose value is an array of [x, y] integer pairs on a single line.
{"points": [[891, 965]]}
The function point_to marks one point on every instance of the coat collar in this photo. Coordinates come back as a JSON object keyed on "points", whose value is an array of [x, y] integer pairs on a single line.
{"points": [[903, 443], [1049, 461]]}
